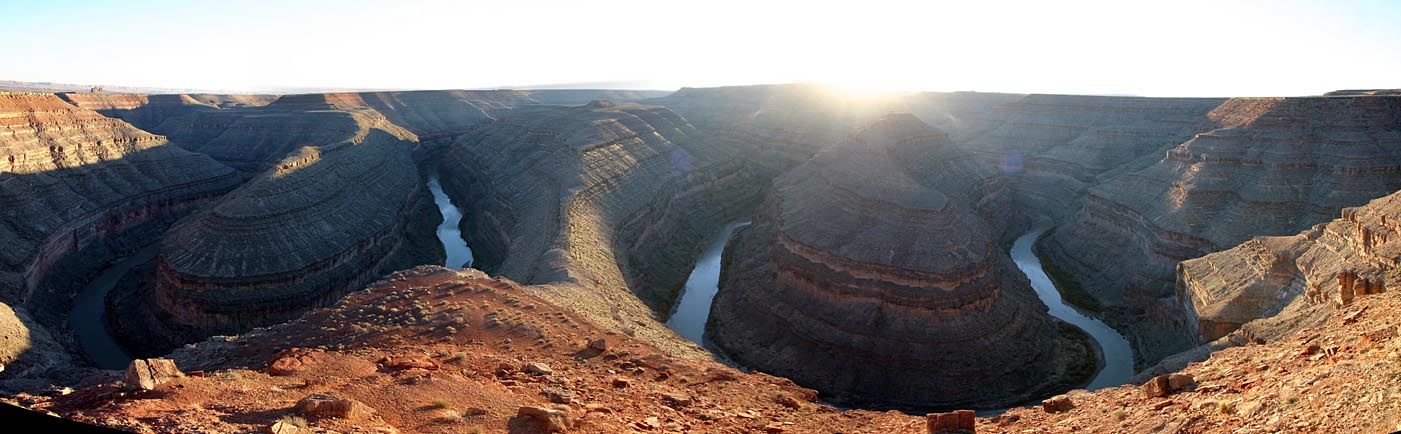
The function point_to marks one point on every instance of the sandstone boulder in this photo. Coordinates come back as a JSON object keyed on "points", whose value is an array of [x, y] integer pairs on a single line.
{"points": [[321, 405], [552, 420], [146, 374], [961, 421], [1164, 385], [537, 368], [1057, 404]]}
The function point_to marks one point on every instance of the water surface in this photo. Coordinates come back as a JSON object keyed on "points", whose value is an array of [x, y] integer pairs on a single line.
{"points": [[90, 308], [690, 314], [449, 233], [1118, 356]]}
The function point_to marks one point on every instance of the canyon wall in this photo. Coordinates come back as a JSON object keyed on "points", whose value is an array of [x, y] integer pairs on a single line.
{"points": [[873, 274], [71, 178], [1275, 166], [547, 188], [1274, 286], [325, 221], [1059, 145]]}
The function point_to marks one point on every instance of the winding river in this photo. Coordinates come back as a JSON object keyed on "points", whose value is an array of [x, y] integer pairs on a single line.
{"points": [[690, 314], [89, 309], [1118, 356], [449, 233], [689, 317]]}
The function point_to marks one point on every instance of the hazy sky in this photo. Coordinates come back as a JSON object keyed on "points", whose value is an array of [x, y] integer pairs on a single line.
{"points": [[1164, 48]]}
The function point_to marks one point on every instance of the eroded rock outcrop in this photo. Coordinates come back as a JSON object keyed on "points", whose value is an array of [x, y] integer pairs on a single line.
{"points": [[874, 275], [1274, 167], [325, 221], [1059, 145], [547, 188], [1279, 284], [71, 179]]}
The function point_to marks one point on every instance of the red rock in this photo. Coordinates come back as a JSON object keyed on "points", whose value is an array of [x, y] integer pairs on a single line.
{"points": [[1164, 385], [677, 399], [1057, 404], [290, 361], [956, 421], [423, 363], [321, 405], [537, 368], [600, 344], [146, 374], [552, 420]]}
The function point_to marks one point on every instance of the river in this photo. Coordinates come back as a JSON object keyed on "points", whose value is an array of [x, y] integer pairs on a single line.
{"points": [[89, 309], [1118, 355], [689, 316], [449, 233]]}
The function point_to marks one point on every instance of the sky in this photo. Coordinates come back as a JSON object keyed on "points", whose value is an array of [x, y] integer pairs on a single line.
{"points": [[1164, 48]]}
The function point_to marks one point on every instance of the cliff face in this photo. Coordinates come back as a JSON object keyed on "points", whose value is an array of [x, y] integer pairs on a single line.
{"points": [[781, 126], [1275, 166], [253, 133], [872, 275], [337, 217], [546, 189], [1289, 282], [1059, 145], [71, 178], [430, 114]]}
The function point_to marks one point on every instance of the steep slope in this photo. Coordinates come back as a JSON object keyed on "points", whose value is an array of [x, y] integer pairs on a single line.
{"points": [[253, 133], [429, 114], [71, 179], [547, 189], [1286, 282], [337, 216], [1059, 145], [873, 276], [431, 350], [1275, 167]]}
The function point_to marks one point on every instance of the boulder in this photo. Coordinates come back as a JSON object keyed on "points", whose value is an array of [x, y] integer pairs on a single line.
{"points": [[960, 421], [321, 405], [1057, 404], [552, 420], [1164, 385], [600, 344], [537, 368], [146, 374]]}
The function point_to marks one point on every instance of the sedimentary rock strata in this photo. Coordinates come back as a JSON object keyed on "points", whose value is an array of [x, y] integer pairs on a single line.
{"points": [[325, 221], [428, 114], [1058, 145], [547, 187], [1295, 280], [872, 275], [71, 178], [1275, 166]]}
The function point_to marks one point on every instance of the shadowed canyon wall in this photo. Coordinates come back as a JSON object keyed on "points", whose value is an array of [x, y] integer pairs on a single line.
{"points": [[70, 177], [337, 216], [874, 275], [75, 186], [1273, 286], [547, 189], [1274, 166]]}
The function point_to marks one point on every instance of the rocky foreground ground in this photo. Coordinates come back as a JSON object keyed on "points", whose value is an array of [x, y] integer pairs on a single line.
{"points": [[432, 350]]}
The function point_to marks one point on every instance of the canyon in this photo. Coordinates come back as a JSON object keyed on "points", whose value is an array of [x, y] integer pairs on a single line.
{"points": [[875, 273]]}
